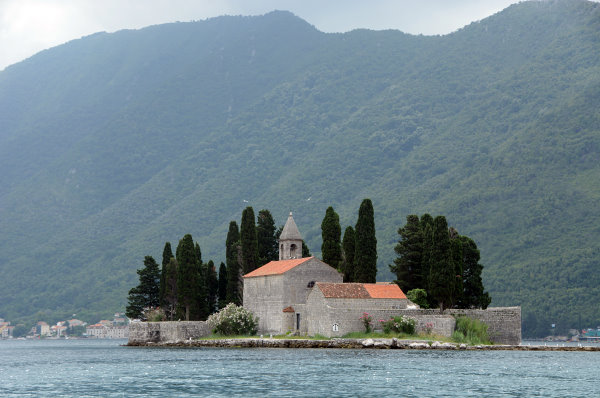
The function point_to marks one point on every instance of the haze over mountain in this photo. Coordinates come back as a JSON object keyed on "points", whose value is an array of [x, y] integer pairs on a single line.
{"points": [[115, 143]]}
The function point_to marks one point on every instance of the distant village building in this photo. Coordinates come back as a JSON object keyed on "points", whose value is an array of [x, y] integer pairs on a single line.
{"points": [[102, 330], [42, 329], [6, 331]]}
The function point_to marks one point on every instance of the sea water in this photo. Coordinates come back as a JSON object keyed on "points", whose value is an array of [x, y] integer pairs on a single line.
{"points": [[105, 368]]}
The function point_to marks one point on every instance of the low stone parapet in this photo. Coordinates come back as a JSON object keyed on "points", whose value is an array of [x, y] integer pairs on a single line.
{"points": [[141, 333]]}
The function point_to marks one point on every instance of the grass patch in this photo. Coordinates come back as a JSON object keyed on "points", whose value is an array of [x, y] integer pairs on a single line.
{"points": [[470, 331]]}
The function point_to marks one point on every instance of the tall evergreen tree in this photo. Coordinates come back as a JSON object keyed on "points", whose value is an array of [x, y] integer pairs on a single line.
{"points": [[456, 248], [222, 285], [248, 241], [187, 279], [473, 290], [202, 308], [407, 266], [348, 244], [365, 257], [146, 294], [331, 248], [425, 220], [267, 241], [442, 272], [305, 250], [166, 259], [212, 284], [170, 298], [234, 271]]}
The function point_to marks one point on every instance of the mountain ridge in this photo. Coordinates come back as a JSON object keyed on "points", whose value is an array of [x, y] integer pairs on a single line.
{"points": [[148, 142]]}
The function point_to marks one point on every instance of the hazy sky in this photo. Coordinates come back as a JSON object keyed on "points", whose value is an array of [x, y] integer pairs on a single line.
{"points": [[29, 26]]}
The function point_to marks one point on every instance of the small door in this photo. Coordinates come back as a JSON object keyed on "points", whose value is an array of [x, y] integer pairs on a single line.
{"points": [[297, 321]]}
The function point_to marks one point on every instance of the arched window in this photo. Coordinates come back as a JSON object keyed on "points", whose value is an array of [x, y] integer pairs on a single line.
{"points": [[311, 284], [293, 251]]}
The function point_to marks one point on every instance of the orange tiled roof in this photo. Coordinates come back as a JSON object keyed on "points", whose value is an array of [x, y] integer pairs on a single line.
{"points": [[276, 267], [289, 309], [385, 291], [360, 290]]}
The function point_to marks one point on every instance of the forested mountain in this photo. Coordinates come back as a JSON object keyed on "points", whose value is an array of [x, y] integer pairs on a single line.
{"points": [[112, 144]]}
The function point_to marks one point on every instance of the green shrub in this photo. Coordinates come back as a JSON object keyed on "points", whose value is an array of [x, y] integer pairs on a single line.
{"points": [[419, 297], [470, 331], [154, 315], [367, 321], [233, 320], [399, 324]]}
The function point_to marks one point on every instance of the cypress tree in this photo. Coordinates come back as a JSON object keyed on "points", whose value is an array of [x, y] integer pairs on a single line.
{"points": [[456, 248], [331, 248], [442, 272], [170, 298], [212, 284], [222, 285], [425, 220], [187, 279], [349, 243], [365, 257], [473, 290], [202, 307], [166, 259], [407, 266], [146, 294], [234, 272], [267, 240], [248, 241], [305, 249]]}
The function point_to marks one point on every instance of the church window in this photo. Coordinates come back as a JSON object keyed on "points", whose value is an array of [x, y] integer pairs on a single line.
{"points": [[311, 284]]}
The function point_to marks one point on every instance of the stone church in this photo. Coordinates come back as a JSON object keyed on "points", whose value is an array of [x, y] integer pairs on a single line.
{"points": [[307, 296]]}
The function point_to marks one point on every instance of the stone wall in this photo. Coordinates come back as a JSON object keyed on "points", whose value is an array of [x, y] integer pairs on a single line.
{"points": [[264, 297], [336, 317], [504, 323], [162, 332]]}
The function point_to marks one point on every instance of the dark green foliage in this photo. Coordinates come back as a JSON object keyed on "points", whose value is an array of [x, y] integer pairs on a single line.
{"points": [[203, 303], [267, 240], [419, 297], [473, 290], [442, 276], [331, 232], [348, 244], [305, 249], [222, 285], [248, 241], [212, 284], [365, 253], [171, 296], [494, 126], [407, 266], [456, 250], [166, 259], [146, 294], [234, 271], [187, 279]]}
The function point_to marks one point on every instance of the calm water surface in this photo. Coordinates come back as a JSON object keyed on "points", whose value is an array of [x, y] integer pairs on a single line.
{"points": [[103, 368]]}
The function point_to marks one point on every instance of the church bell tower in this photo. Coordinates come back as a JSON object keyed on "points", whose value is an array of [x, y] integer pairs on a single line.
{"points": [[290, 241]]}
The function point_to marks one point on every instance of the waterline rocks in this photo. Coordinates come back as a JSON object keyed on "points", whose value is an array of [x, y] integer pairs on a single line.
{"points": [[368, 343]]}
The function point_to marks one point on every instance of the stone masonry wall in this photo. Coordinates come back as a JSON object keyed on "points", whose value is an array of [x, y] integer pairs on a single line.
{"points": [[162, 332], [504, 323]]}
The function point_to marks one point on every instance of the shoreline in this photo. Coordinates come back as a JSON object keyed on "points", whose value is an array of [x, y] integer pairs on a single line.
{"points": [[353, 344]]}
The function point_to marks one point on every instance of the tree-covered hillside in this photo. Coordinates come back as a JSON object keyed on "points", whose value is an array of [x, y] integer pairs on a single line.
{"points": [[115, 143]]}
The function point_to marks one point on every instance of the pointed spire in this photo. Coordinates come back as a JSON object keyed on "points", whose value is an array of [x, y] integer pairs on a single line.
{"points": [[290, 230]]}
